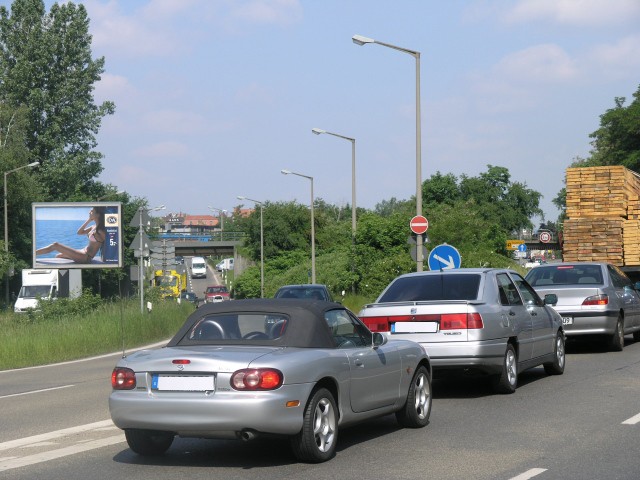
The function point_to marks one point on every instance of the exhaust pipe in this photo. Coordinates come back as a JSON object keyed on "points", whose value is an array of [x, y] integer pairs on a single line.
{"points": [[247, 435]]}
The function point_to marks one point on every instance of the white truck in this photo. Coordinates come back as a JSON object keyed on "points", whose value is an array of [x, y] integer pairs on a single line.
{"points": [[47, 284]]}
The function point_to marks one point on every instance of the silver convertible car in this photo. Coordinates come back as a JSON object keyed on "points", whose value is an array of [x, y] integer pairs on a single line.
{"points": [[477, 320], [295, 368]]}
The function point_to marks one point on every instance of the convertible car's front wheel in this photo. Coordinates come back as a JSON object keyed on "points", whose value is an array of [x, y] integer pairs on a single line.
{"points": [[316, 442], [148, 442], [416, 410]]}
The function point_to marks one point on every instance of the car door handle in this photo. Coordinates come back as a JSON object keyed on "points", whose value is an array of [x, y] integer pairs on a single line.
{"points": [[534, 313], [512, 313], [359, 363]]}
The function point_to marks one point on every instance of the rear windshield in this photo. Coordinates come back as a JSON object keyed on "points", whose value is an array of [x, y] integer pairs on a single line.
{"points": [[233, 327], [565, 275], [304, 293], [433, 287], [216, 289]]}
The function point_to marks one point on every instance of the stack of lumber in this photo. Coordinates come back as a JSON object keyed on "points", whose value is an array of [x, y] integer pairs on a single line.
{"points": [[603, 216]]}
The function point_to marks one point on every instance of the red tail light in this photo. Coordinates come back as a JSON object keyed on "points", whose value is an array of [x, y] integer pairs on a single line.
{"points": [[257, 379], [453, 321], [596, 300], [123, 379]]}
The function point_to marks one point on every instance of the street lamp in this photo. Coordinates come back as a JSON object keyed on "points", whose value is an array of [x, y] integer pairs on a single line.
{"points": [[6, 222], [141, 215], [261, 243], [360, 40], [319, 131], [313, 229], [222, 212]]}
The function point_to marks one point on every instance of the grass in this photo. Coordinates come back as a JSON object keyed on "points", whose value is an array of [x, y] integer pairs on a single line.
{"points": [[28, 341]]}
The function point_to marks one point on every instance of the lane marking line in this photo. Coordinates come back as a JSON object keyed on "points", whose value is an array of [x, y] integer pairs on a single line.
{"points": [[43, 437], [529, 474], [9, 464], [36, 391], [632, 421]]}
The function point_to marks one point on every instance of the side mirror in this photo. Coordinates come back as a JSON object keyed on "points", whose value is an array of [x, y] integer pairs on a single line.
{"points": [[636, 285], [550, 299], [379, 339]]}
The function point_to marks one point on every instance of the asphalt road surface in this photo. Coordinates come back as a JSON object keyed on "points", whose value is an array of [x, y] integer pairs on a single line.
{"points": [[584, 424]]}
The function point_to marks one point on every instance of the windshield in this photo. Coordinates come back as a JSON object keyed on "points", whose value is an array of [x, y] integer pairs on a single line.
{"points": [[565, 275], [166, 281], [433, 287], [233, 327], [35, 291], [198, 265]]}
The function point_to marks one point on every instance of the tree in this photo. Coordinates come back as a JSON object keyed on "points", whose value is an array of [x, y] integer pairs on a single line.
{"points": [[46, 67]]}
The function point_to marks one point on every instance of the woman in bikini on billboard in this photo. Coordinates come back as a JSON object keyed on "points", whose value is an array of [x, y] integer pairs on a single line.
{"points": [[95, 230]]}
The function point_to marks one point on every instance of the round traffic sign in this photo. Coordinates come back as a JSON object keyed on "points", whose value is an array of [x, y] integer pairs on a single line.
{"points": [[545, 237], [444, 257], [419, 224]]}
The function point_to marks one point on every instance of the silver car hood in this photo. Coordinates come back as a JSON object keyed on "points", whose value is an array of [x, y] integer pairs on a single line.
{"points": [[201, 358]]}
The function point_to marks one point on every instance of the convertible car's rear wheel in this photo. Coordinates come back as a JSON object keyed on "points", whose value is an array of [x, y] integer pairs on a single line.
{"points": [[507, 380], [148, 442], [557, 366], [416, 410], [316, 442]]}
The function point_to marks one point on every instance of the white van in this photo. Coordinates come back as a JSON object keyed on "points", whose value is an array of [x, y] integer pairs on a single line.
{"points": [[198, 267]]}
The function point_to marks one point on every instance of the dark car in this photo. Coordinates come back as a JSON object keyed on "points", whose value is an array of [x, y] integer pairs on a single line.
{"points": [[311, 291], [228, 373], [190, 297]]}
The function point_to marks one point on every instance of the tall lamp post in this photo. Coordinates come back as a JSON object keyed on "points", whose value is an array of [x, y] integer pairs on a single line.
{"points": [[261, 243], [222, 212], [313, 228], [360, 40], [6, 220]]}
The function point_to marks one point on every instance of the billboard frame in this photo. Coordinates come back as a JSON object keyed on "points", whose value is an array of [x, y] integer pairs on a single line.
{"points": [[60, 227]]}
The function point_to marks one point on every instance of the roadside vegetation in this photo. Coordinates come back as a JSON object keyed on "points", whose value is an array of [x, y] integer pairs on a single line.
{"points": [[71, 329]]}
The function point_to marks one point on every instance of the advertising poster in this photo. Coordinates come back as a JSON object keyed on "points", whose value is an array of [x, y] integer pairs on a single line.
{"points": [[77, 235]]}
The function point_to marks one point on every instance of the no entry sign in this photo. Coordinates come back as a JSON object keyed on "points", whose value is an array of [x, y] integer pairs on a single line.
{"points": [[419, 224]]}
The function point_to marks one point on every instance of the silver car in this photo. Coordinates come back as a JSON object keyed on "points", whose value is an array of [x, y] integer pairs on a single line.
{"points": [[593, 298], [485, 320], [295, 368]]}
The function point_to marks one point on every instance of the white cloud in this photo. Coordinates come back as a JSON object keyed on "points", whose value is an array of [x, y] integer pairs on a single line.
{"points": [[620, 59], [283, 12], [575, 12], [112, 87], [176, 122], [540, 63]]}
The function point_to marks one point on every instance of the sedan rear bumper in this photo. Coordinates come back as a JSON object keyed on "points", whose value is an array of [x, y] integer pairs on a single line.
{"points": [[486, 355], [211, 415], [589, 323]]}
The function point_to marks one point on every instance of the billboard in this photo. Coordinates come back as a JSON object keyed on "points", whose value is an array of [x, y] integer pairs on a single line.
{"points": [[77, 235]]}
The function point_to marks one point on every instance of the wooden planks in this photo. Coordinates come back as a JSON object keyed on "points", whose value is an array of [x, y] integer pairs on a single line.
{"points": [[603, 210]]}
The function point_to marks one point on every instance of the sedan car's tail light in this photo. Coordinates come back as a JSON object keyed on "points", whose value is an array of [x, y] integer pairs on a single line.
{"points": [[454, 321], [256, 379], [123, 379], [596, 300]]}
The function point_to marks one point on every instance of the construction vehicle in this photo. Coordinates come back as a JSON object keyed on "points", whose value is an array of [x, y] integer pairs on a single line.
{"points": [[171, 282]]}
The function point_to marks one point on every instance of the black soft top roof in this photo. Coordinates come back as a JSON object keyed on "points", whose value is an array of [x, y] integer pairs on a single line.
{"points": [[307, 329]]}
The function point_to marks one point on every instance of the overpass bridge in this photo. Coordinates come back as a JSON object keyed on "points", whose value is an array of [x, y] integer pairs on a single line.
{"points": [[203, 244]]}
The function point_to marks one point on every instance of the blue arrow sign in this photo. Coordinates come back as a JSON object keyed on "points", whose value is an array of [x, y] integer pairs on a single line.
{"points": [[522, 247], [444, 257]]}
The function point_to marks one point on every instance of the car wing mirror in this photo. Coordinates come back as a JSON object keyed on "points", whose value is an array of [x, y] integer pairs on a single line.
{"points": [[550, 299], [379, 339]]}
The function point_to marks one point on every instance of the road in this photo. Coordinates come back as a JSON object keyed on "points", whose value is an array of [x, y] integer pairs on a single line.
{"points": [[584, 424]]}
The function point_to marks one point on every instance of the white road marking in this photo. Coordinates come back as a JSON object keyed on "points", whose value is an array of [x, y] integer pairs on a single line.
{"points": [[36, 391], [62, 452], [632, 421], [43, 437], [529, 474]]}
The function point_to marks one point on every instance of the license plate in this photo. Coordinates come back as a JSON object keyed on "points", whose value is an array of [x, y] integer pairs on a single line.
{"points": [[414, 327], [567, 320], [183, 383]]}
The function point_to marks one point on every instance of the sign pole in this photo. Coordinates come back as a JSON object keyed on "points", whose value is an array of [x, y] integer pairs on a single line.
{"points": [[140, 266]]}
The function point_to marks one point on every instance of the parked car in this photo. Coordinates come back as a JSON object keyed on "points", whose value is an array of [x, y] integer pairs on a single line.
{"points": [[292, 368], [488, 320], [311, 291], [216, 293], [593, 298]]}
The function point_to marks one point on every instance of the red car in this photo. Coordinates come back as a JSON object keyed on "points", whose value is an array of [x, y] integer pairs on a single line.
{"points": [[216, 293]]}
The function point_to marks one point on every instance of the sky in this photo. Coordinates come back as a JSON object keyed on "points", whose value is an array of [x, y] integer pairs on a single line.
{"points": [[215, 97]]}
